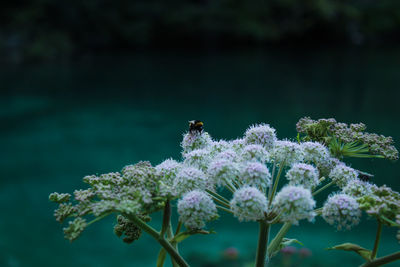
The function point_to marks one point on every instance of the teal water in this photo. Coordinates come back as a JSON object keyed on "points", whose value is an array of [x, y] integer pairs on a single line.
{"points": [[62, 121]]}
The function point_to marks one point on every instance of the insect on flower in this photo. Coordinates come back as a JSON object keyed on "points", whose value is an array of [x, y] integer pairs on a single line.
{"points": [[196, 126]]}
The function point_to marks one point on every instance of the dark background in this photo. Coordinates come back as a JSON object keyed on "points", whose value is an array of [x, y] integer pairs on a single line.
{"points": [[91, 86]]}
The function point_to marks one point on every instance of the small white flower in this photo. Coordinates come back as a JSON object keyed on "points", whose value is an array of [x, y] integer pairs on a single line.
{"points": [[248, 204], [196, 208], [303, 174], [198, 158], [168, 169], [261, 134], [315, 152], [195, 140], [228, 154], [341, 211], [286, 152], [357, 188], [341, 175], [254, 153], [222, 171], [237, 145], [255, 174], [294, 203], [189, 178]]}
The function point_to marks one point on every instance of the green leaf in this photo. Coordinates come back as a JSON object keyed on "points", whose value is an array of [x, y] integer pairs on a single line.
{"points": [[161, 257], [363, 252], [284, 243], [287, 241]]}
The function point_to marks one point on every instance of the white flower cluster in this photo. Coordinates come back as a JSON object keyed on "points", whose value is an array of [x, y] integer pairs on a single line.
{"points": [[199, 158], [195, 140], [196, 208], [341, 211], [254, 153], [294, 203], [315, 152], [303, 174], [261, 134], [167, 171], [189, 178], [357, 188], [249, 204], [255, 174], [287, 152], [341, 175], [222, 171]]}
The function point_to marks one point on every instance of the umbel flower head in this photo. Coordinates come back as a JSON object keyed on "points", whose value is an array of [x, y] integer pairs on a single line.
{"points": [[261, 134], [167, 172], [196, 208], [303, 174], [382, 203], [249, 204], [255, 174], [341, 175], [195, 140], [254, 153], [221, 171], [286, 152], [341, 211], [357, 188], [190, 178], [294, 203], [315, 152], [198, 158]]}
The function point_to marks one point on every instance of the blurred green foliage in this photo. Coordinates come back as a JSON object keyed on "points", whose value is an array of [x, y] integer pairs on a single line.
{"points": [[48, 28]]}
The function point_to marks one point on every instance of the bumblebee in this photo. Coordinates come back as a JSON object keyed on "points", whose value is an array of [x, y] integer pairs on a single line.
{"points": [[196, 126], [364, 176]]}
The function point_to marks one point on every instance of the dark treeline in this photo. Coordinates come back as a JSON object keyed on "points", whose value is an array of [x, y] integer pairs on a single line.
{"points": [[50, 28]]}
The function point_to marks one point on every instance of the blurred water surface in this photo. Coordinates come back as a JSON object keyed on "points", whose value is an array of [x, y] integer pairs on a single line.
{"points": [[62, 121]]}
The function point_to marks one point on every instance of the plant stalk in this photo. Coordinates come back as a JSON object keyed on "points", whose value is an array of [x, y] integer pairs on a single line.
{"points": [[383, 260], [160, 239], [262, 244], [377, 239]]}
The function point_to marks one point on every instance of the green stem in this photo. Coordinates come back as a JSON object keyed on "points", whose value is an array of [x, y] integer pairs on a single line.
{"points": [[271, 197], [220, 201], [377, 239], [160, 239], [383, 260], [166, 218], [215, 194], [272, 180], [178, 228], [262, 244], [323, 188], [98, 218], [273, 246], [224, 209]]}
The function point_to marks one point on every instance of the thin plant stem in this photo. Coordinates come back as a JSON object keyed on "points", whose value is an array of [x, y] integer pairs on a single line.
{"points": [[322, 188], [161, 240], [271, 196], [166, 218], [178, 228], [262, 244], [98, 219], [224, 209], [383, 260], [219, 201], [377, 239], [217, 195]]}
